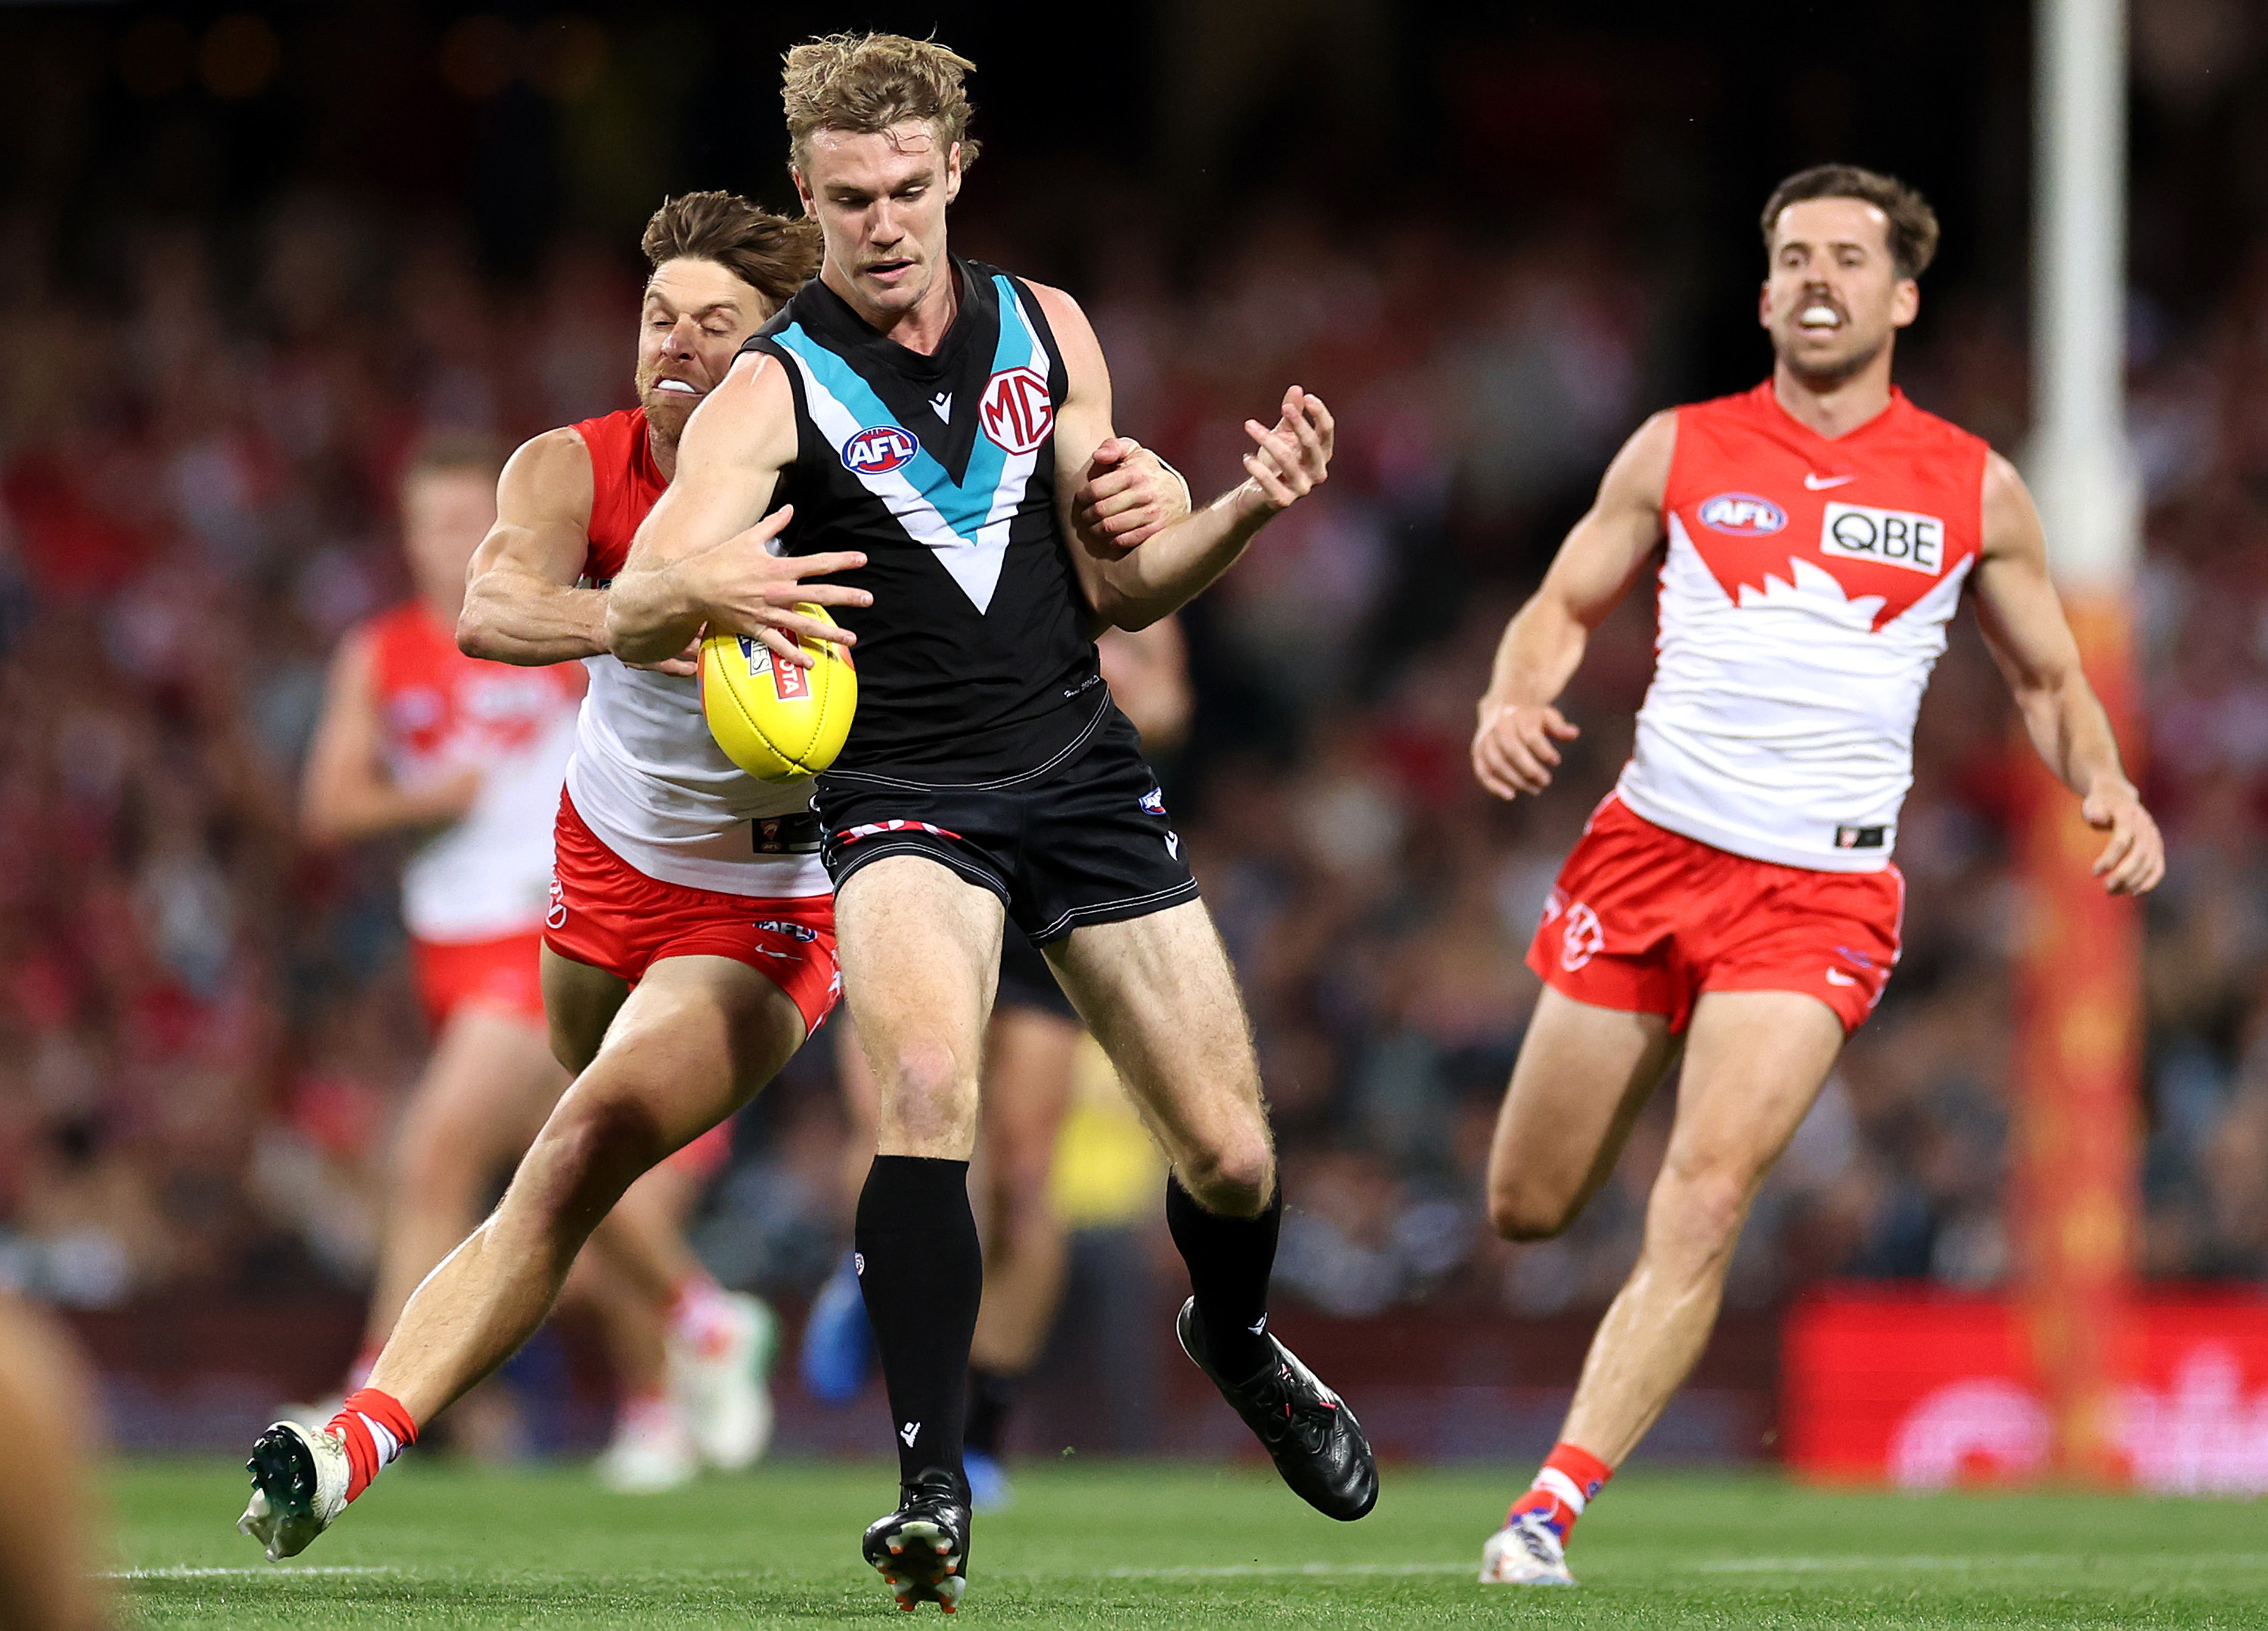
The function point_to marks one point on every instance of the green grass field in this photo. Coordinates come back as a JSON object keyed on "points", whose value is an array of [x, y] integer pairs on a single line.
{"points": [[1155, 1547]]}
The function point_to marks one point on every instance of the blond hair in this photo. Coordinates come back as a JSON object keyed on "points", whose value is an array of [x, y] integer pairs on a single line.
{"points": [[866, 83]]}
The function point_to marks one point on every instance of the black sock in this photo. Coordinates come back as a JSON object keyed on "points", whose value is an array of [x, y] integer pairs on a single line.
{"points": [[990, 1393], [1229, 1260], [922, 1272]]}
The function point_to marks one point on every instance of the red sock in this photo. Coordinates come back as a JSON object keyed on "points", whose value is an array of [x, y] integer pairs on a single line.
{"points": [[1569, 1480], [376, 1429]]}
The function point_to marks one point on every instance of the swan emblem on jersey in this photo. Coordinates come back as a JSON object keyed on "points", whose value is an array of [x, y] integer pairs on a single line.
{"points": [[1016, 411], [1743, 514], [877, 452]]}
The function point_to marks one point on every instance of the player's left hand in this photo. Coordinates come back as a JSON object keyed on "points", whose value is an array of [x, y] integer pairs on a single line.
{"points": [[2135, 858], [1294, 458], [1128, 493]]}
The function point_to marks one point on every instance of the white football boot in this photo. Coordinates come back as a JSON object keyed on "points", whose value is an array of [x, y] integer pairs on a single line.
{"points": [[721, 1382], [298, 1487], [651, 1450], [1526, 1552]]}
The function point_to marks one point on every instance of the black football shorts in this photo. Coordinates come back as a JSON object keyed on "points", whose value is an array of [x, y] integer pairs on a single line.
{"points": [[1085, 841]]}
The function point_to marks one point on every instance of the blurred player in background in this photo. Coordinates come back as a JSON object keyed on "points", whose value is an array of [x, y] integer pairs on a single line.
{"points": [[1031, 1050], [45, 1426], [1734, 900], [690, 945], [929, 427], [468, 757]]}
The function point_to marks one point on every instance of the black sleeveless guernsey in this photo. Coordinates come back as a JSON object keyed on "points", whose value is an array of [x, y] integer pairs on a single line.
{"points": [[974, 668]]}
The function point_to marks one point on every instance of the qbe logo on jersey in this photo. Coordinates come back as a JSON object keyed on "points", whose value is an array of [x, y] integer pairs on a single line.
{"points": [[789, 681], [1016, 411], [879, 451], [1888, 537]]}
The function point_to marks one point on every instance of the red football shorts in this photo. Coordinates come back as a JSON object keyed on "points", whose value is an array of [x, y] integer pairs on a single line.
{"points": [[607, 913], [506, 974], [1645, 919]]}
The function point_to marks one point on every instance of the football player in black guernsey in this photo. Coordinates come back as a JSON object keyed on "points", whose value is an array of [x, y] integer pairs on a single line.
{"points": [[938, 416]]}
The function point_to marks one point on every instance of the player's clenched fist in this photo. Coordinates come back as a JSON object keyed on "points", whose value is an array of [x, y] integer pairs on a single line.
{"points": [[1293, 458], [1128, 494], [1514, 751]]}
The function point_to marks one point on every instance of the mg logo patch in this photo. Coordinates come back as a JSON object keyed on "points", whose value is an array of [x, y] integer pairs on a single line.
{"points": [[1851, 531], [1016, 411]]}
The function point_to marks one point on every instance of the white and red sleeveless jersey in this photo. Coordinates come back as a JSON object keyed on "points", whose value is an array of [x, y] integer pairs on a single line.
{"points": [[1804, 601], [488, 874], [647, 776]]}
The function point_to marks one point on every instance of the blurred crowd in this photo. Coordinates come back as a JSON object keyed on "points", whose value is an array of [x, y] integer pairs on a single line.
{"points": [[205, 1024]]}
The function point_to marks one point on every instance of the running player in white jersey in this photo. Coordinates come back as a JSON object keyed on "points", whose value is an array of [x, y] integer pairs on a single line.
{"points": [[690, 943], [418, 738], [1734, 899]]}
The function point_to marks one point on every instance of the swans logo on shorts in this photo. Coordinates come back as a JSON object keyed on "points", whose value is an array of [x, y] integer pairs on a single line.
{"points": [[556, 918], [879, 451], [1016, 411], [1582, 938], [1743, 514]]}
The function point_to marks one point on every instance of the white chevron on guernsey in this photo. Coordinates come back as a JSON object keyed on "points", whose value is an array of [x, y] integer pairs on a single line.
{"points": [[974, 563]]}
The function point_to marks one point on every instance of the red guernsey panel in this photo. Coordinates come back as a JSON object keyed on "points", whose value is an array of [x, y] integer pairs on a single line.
{"points": [[1924, 1390]]}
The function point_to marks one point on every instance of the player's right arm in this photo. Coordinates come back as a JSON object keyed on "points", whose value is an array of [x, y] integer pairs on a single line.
{"points": [[701, 559], [346, 793], [521, 601], [1542, 645]]}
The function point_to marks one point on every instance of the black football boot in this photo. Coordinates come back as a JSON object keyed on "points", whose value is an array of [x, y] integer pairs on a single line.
{"points": [[921, 1550], [1309, 1433]]}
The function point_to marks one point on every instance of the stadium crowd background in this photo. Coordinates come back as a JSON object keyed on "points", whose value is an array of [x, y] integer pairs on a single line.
{"points": [[222, 323]]}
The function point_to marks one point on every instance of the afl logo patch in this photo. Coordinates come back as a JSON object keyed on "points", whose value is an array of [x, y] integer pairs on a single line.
{"points": [[1743, 514], [879, 451], [1016, 411]]}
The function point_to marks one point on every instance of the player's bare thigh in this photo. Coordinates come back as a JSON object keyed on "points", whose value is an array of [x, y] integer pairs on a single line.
{"points": [[1755, 1062], [920, 949], [1158, 994], [579, 1001], [694, 1041], [1583, 1075]]}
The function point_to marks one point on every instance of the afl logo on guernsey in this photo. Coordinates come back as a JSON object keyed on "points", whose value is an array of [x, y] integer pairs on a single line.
{"points": [[1743, 514], [1016, 411], [879, 451]]}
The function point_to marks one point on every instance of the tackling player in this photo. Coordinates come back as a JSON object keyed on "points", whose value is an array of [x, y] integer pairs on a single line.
{"points": [[417, 738], [1733, 900], [689, 945], [926, 421]]}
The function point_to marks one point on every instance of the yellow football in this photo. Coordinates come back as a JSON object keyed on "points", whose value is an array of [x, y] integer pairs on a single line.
{"points": [[775, 721]]}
